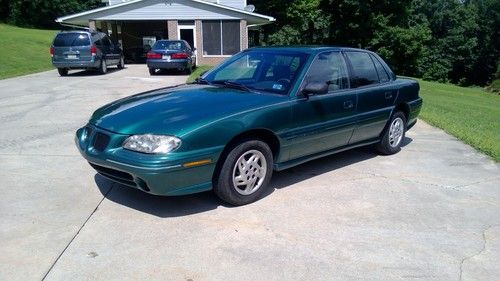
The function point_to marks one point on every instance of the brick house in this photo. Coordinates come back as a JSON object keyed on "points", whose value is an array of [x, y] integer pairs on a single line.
{"points": [[216, 28]]}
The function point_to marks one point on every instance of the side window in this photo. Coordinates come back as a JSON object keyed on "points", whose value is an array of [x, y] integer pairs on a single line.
{"points": [[364, 72], [331, 69], [382, 73]]}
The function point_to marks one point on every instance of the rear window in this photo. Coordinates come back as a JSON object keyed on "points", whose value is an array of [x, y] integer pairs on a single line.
{"points": [[168, 45], [71, 40]]}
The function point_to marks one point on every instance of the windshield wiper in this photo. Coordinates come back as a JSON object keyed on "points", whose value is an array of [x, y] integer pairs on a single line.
{"points": [[200, 80], [233, 85]]}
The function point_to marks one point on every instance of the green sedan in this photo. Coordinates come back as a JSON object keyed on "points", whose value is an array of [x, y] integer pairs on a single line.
{"points": [[263, 110]]}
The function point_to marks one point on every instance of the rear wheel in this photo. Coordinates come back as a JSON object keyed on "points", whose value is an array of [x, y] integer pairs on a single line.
{"points": [[152, 71], [103, 69], [62, 71], [394, 135], [245, 173], [121, 64]]}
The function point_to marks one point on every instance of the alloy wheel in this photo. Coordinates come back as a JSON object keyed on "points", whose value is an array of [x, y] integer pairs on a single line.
{"points": [[249, 172]]}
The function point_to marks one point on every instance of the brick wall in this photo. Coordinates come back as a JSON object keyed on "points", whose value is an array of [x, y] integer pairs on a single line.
{"points": [[172, 29], [244, 35]]}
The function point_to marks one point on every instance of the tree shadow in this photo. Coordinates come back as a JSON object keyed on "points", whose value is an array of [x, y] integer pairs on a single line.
{"points": [[176, 206]]}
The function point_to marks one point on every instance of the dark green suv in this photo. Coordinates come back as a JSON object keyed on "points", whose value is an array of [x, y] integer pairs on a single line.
{"points": [[80, 49]]}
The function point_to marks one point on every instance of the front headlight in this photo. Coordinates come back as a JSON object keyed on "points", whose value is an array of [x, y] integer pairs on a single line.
{"points": [[151, 143]]}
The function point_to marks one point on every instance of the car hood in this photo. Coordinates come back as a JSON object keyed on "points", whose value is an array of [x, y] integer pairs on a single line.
{"points": [[177, 110]]}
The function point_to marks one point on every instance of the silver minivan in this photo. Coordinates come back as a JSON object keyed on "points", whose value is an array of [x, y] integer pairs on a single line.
{"points": [[80, 49]]}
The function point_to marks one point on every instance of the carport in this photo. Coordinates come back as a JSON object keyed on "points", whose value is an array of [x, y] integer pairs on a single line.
{"points": [[216, 30]]}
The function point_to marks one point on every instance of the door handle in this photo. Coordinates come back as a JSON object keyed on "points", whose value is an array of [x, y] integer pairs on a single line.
{"points": [[388, 95], [348, 104]]}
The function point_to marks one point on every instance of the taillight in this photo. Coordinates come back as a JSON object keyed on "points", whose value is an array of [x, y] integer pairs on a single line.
{"points": [[93, 50], [179, 56], [52, 51], [152, 55]]}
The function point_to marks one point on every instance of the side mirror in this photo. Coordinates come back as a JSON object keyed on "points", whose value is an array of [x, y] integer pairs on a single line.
{"points": [[315, 88], [194, 49]]}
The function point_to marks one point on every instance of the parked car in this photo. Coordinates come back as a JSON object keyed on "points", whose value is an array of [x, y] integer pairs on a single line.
{"points": [[264, 109], [80, 49], [171, 54]]}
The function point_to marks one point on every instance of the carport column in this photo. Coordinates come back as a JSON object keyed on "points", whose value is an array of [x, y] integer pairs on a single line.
{"points": [[199, 41], [172, 29], [92, 25], [244, 35]]}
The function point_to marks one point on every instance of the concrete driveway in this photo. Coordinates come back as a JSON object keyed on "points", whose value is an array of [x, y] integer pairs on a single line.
{"points": [[431, 212]]}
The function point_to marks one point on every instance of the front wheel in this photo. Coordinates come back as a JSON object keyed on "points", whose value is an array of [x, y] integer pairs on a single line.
{"points": [[394, 135], [245, 173]]}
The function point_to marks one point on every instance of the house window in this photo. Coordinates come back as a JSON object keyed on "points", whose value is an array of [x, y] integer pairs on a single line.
{"points": [[221, 38]]}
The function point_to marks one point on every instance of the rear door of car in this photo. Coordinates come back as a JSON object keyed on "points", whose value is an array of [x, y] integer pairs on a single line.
{"points": [[376, 95], [72, 47], [324, 122]]}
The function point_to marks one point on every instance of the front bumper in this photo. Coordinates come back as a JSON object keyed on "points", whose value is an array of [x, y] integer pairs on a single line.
{"points": [[155, 174]]}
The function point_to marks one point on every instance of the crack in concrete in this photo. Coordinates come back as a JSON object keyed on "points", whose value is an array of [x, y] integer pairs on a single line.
{"points": [[78, 232], [483, 248]]}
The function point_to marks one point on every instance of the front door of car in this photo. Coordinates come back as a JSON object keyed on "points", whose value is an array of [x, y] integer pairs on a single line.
{"points": [[376, 95], [323, 122]]}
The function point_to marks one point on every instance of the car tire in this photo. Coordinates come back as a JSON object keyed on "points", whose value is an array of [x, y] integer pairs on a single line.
{"points": [[152, 71], [103, 69], [394, 134], [62, 71], [239, 184], [121, 64], [188, 70]]}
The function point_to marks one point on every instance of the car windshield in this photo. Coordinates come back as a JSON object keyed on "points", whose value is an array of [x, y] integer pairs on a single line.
{"points": [[168, 45], [71, 40], [268, 71]]}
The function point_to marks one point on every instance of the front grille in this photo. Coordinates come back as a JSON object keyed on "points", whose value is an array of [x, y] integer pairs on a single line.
{"points": [[112, 172], [100, 141], [120, 177]]}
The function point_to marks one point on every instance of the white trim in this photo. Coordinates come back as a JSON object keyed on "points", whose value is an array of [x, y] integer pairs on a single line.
{"points": [[61, 19], [190, 27]]}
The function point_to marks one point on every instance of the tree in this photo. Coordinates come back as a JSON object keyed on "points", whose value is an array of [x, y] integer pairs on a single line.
{"points": [[42, 13]]}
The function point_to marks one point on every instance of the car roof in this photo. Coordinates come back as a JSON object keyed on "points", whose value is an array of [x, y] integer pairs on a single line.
{"points": [[310, 49], [80, 31]]}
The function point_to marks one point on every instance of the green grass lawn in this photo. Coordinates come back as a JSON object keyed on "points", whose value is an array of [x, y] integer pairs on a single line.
{"points": [[24, 50], [470, 114]]}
